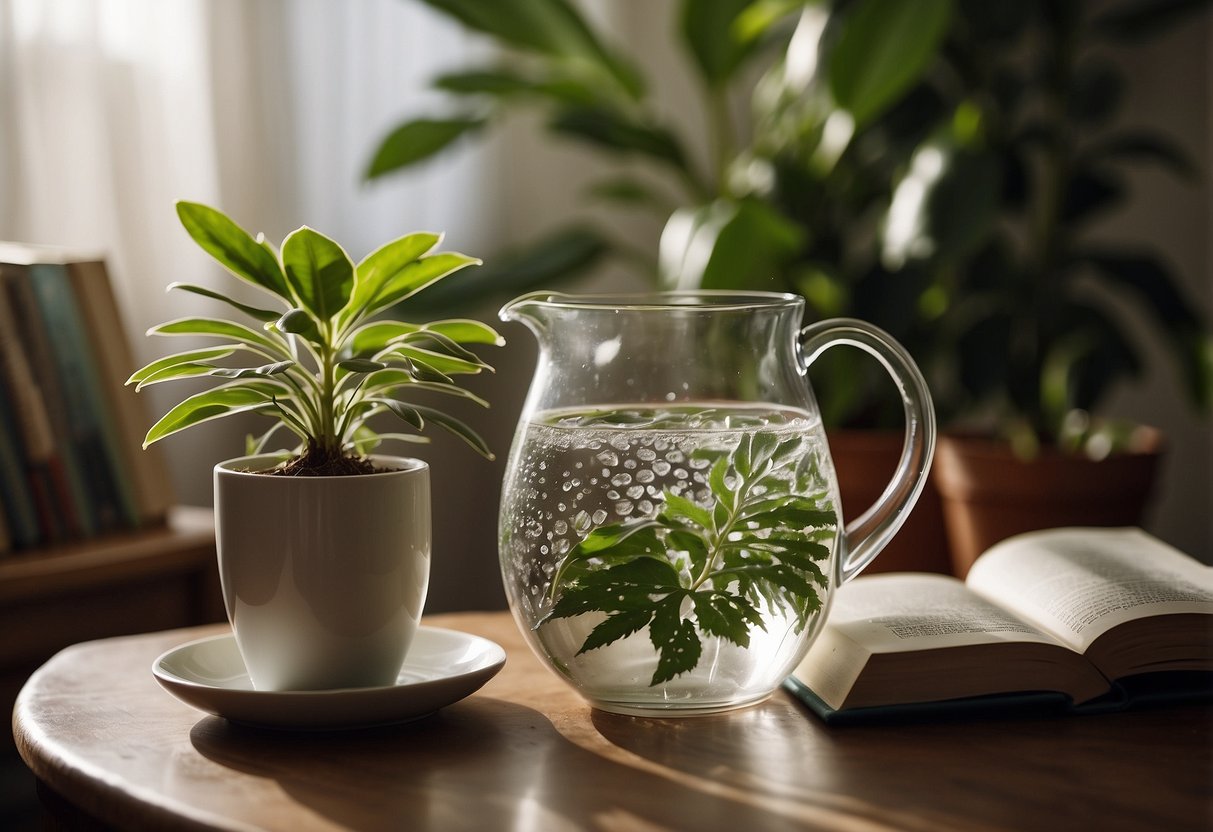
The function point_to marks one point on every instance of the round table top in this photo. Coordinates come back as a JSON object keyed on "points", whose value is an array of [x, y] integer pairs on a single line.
{"points": [[525, 752]]}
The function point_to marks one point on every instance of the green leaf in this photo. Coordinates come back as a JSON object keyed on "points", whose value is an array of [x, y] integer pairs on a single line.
{"points": [[361, 365], [373, 337], [191, 369], [319, 272], [727, 245], [726, 616], [191, 356], [720, 489], [708, 29], [414, 277], [1149, 283], [559, 256], [458, 428], [678, 507], [611, 130], [264, 315], [501, 83], [263, 371], [617, 626], [383, 265], [205, 406], [409, 415], [232, 246], [218, 328], [301, 322], [417, 140], [549, 27], [446, 364], [883, 50], [678, 645]]}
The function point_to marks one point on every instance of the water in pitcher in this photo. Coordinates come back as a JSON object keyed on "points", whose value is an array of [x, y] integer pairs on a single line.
{"points": [[577, 471]]}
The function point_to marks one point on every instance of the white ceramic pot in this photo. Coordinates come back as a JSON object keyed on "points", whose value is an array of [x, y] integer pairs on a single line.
{"points": [[324, 578]]}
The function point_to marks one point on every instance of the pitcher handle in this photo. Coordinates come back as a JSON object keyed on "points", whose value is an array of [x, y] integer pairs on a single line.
{"points": [[867, 534]]}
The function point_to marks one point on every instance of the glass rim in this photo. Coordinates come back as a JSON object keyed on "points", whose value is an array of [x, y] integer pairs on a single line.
{"points": [[681, 300]]}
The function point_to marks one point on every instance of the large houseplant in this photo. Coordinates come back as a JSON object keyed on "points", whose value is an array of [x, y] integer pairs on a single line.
{"points": [[323, 550], [931, 166]]}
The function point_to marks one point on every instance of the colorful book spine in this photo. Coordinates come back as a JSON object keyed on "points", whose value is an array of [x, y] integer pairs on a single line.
{"points": [[108, 484]]}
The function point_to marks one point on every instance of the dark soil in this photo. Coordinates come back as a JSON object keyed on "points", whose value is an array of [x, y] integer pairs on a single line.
{"points": [[316, 463]]}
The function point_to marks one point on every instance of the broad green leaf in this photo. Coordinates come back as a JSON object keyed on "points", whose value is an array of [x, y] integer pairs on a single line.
{"points": [[446, 364], [416, 141], [318, 271], [631, 191], [724, 615], [760, 16], [549, 27], [203, 407], [882, 51], [677, 507], [617, 626], [458, 428], [191, 356], [402, 411], [678, 645], [263, 315], [416, 276], [384, 263], [720, 489], [561, 255], [727, 245], [614, 131], [500, 83], [219, 328], [708, 27], [421, 371], [189, 369], [610, 537], [437, 342], [232, 246]]}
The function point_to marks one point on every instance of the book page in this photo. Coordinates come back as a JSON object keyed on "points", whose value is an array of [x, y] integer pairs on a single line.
{"points": [[904, 612], [1079, 583]]}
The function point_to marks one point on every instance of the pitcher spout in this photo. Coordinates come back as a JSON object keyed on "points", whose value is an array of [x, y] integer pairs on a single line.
{"points": [[530, 309]]}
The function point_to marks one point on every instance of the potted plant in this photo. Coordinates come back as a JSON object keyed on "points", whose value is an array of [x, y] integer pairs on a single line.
{"points": [[781, 205], [934, 167], [324, 551], [999, 202]]}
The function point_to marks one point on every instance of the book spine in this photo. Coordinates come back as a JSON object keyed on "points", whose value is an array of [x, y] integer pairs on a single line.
{"points": [[15, 499], [110, 493], [127, 423], [66, 471]]}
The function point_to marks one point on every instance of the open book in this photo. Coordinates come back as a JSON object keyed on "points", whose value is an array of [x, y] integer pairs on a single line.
{"points": [[1084, 618]]}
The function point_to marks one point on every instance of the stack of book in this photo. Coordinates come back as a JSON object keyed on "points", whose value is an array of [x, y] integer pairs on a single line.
{"points": [[72, 464]]}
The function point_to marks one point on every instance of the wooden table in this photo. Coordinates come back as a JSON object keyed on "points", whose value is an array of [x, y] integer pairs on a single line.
{"points": [[526, 753]]}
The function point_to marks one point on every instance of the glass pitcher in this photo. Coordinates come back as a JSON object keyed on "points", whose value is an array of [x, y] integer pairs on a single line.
{"points": [[670, 530]]}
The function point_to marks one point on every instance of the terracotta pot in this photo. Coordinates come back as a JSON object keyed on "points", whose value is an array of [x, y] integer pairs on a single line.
{"points": [[324, 578], [864, 461], [989, 494]]}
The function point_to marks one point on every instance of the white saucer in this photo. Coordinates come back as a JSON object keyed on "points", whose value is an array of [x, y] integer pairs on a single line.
{"points": [[443, 666]]}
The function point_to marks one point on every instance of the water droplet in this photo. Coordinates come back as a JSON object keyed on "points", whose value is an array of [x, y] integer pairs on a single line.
{"points": [[646, 454], [560, 527], [561, 506], [599, 517], [581, 522], [675, 456], [652, 490], [636, 492], [624, 507], [645, 507], [621, 479], [608, 458], [630, 464], [566, 486], [661, 467], [612, 494], [661, 444], [680, 473], [644, 475], [562, 546]]}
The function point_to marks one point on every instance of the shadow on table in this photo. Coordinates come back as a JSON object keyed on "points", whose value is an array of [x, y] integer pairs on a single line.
{"points": [[481, 764]]}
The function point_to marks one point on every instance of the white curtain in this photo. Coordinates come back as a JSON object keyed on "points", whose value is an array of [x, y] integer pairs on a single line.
{"points": [[111, 110]]}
